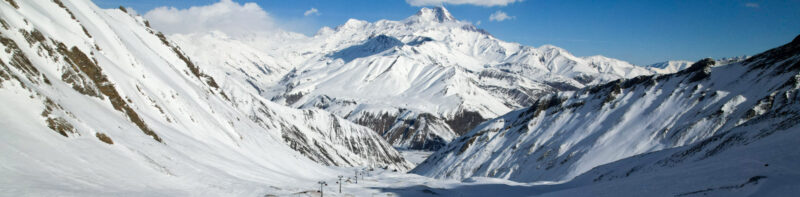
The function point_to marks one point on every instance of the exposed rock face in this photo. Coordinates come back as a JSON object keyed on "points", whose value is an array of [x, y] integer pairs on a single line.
{"points": [[325, 138], [407, 129], [418, 132], [465, 121], [377, 122]]}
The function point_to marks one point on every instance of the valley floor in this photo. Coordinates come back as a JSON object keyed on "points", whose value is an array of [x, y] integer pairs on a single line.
{"points": [[389, 183], [415, 156]]}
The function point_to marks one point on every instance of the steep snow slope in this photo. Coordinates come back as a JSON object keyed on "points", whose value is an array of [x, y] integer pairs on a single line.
{"points": [[759, 158], [95, 101], [259, 59], [235, 60], [569, 133], [420, 81], [319, 131]]}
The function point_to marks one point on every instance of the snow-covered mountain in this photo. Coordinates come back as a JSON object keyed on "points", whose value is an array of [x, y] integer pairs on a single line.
{"points": [[95, 100], [670, 66], [420, 81], [674, 66], [757, 158], [704, 110]]}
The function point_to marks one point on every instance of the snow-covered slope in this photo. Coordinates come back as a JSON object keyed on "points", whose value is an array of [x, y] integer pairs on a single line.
{"points": [[674, 66], [96, 101], [430, 74], [758, 158], [569, 133], [259, 59], [670, 66], [230, 59]]}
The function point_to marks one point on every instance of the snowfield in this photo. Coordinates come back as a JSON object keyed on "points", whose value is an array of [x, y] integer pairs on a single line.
{"points": [[97, 103]]}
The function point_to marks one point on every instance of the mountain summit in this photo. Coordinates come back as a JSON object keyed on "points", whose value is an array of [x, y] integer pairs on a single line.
{"points": [[95, 102], [419, 82], [437, 14]]}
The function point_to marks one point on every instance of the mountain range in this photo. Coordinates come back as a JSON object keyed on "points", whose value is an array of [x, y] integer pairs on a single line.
{"points": [[419, 82], [97, 102], [706, 130], [84, 86]]}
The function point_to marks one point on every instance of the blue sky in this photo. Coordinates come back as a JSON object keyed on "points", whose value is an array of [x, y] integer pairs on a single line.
{"points": [[641, 32]]}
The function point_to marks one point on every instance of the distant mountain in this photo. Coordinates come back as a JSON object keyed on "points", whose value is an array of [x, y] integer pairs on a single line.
{"points": [[96, 101], [419, 82], [707, 129], [678, 65], [670, 66], [730, 60]]}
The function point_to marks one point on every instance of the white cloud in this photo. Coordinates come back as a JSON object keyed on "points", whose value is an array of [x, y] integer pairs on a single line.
{"points": [[311, 11], [499, 16], [477, 23], [751, 5], [226, 16], [487, 3]]}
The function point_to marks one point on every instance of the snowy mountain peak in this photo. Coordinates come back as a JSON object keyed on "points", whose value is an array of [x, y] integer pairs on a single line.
{"points": [[353, 23], [425, 79], [437, 14]]}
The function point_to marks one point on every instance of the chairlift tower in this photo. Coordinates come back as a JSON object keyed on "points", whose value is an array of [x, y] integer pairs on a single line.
{"points": [[321, 183], [340, 183], [356, 172]]}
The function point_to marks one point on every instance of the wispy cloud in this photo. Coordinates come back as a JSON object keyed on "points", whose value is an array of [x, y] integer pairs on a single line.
{"points": [[500, 16], [487, 3], [751, 5], [226, 16], [478, 23], [312, 11]]}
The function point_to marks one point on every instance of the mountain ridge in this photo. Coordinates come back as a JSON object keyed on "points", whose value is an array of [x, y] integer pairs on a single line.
{"points": [[429, 63], [95, 101], [566, 134]]}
